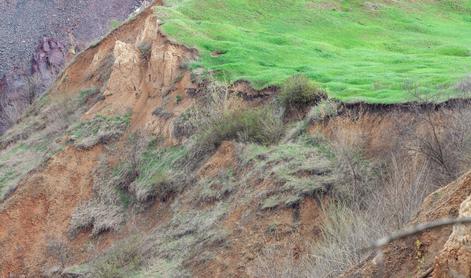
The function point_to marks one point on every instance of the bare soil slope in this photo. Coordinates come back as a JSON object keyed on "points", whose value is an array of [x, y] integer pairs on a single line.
{"points": [[67, 217]]}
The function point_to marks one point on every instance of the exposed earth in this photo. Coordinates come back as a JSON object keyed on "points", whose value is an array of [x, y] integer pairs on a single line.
{"points": [[135, 164]]}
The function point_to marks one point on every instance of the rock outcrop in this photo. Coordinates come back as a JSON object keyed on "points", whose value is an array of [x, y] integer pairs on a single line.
{"points": [[62, 28], [455, 258]]}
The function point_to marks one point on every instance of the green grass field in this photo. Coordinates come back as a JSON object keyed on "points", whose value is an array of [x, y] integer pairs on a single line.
{"points": [[358, 51]]}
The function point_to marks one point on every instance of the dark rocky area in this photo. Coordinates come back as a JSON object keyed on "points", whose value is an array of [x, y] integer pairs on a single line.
{"points": [[38, 37]]}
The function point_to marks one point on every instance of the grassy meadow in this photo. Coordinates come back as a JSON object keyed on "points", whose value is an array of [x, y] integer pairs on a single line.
{"points": [[377, 52]]}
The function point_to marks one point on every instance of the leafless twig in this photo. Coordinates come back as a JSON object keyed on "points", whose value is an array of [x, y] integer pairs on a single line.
{"points": [[409, 231]]}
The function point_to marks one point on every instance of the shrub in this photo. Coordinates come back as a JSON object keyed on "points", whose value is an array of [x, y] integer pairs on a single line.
{"points": [[99, 130], [220, 116], [145, 48], [122, 259], [154, 178], [216, 188], [58, 250], [178, 99], [183, 125], [324, 109], [257, 125], [162, 113], [298, 92]]}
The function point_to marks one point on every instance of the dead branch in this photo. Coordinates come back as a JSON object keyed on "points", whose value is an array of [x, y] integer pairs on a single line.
{"points": [[416, 229]]}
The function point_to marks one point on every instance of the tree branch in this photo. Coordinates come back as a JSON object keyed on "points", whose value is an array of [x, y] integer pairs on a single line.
{"points": [[409, 231]]}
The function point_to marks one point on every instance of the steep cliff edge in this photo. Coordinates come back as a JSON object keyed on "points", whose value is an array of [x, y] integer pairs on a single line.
{"points": [[53, 180], [105, 175]]}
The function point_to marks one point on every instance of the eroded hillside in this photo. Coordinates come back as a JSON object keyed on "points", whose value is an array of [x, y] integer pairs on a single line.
{"points": [[134, 165]]}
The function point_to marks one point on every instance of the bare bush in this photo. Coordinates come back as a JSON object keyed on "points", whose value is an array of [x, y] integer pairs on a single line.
{"points": [[278, 262], [34, 87], [58, 250], [348, 229], [358, 176], [345, 233], [403, 189], [441, 136], [370, 200], [105, 211]]}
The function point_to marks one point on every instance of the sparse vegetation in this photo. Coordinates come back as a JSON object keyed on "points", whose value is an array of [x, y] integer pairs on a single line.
{"points": [[106, 210], [145, 48], [114, 24], [221, 117], [99, 130], [373, 196], [105, 67], [144, 172], [155, 174], [121, 260], [38, 135], [323, 110], [299, 169], [87, 94], [216, 188], [269, 183]]}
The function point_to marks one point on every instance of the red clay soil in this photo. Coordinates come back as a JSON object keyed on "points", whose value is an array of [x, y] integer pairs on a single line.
{"points": [[39, 211]]}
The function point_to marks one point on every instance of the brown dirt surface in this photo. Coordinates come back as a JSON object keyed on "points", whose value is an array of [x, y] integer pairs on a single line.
{"points": [[39, 211]]}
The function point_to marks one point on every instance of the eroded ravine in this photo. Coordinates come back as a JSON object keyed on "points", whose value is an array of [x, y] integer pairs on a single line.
{"points": [[139, 72]]}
